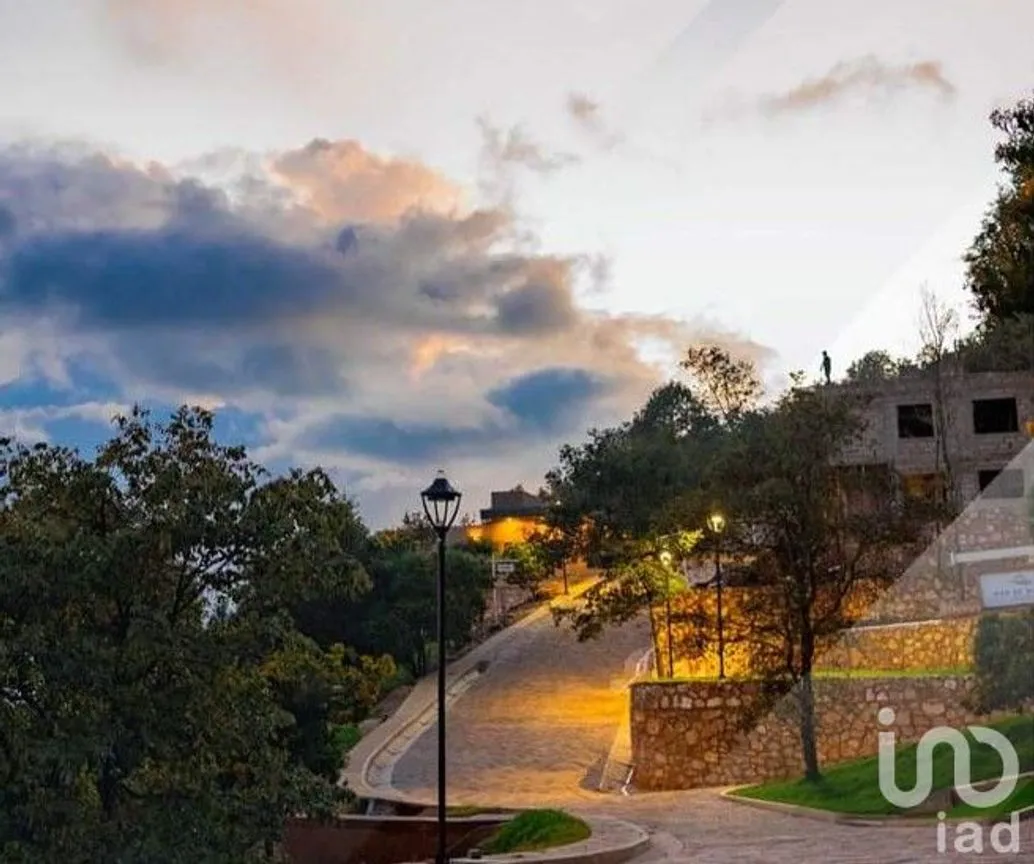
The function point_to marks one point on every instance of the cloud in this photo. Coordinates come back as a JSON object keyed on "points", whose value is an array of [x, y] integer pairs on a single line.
{"points": [[342, 181], [864, 74], [354, 303], [544, 400], [505, 152], [587, 116], [289, 36]]}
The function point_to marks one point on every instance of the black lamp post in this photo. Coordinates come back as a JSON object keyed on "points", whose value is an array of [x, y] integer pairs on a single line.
{"points": [[716, 522], [665, 558], [441, 505]]}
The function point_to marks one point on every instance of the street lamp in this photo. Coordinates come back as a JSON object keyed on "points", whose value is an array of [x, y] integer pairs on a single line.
{"points": [[716, 522], [666, 562], [441, 505]]}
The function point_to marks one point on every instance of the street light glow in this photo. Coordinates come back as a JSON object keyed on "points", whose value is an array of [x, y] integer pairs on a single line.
{"points": [[716, 522]]}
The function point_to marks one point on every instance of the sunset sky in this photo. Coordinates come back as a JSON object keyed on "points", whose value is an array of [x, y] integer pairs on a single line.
{"points": [[396, 236]]}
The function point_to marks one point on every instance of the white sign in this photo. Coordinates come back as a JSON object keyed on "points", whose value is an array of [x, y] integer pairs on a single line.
{"points": [[505, 568], [1002, 590]]}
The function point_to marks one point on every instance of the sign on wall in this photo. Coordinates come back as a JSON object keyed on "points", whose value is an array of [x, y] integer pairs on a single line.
{"points": [[1004, 590], [505, 567]]}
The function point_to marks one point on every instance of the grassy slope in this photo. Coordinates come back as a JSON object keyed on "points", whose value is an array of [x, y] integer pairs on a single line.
{"points": [[853, 787], [537, 829]]}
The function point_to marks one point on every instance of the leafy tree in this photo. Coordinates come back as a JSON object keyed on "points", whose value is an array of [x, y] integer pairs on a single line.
{"points": [[146, 698], [532, 564], [873, 367], [1000, 262], [726, 386], [816, 532]]}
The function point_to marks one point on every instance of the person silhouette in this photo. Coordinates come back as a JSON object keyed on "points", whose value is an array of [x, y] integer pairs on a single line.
{"points": [[827, 367]]}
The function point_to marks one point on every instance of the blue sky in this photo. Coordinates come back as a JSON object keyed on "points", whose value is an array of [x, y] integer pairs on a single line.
{"points": [[543, 205]]}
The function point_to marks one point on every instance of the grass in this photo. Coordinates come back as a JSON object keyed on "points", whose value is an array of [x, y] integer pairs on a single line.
{"points": [[536, 829], [839, 674], [1021, 798], [465, 811], [853, 787]]}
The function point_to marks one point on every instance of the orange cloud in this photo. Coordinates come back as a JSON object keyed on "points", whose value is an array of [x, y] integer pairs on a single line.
{"points": [[865, 73], [344, 182]]}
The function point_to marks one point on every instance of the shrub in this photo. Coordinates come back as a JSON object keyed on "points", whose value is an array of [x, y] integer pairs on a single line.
{"points": [[1004, 661], [537, 829]]}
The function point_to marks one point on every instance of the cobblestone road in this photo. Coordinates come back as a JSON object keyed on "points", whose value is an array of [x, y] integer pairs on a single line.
{"points": [[701, 828], [534, 731], [538, 726]]}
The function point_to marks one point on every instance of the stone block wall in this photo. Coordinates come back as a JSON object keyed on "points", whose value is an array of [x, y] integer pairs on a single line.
{"points": [[724, 733], [934, 644]]}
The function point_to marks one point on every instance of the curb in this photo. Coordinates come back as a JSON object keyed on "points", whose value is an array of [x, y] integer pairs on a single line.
{"points": [[637, 842], [854, 820]]}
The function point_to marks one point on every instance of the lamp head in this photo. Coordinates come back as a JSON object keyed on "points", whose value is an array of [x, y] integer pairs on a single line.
{"points": [[716, 522], [441, 504]]}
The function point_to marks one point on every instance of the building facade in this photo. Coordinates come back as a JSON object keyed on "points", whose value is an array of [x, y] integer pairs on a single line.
{"points": [[987, 420], [514, 516]]}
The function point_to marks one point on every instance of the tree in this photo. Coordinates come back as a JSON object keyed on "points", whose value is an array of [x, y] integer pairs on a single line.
{"points": [[1000, 262], [532, 564], [814, 530], [145, 623], [873, 367], [938, 329], [727, 386], [634, 487]]}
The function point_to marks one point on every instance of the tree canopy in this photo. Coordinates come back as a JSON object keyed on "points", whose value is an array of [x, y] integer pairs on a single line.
{"points": [[167, 691]]}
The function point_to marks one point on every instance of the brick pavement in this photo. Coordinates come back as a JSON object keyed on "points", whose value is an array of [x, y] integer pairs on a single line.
{"points": [[535, 729], [539, 724]]}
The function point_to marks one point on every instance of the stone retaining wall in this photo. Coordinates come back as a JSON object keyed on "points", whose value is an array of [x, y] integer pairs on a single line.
{"points": [[932, 645], [939, 644], [687, 735]]}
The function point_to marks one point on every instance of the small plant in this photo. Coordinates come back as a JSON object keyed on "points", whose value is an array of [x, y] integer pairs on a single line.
{"points": [[345, 736], [537, 829]]}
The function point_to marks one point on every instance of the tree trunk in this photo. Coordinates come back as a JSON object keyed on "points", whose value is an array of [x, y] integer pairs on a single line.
{"points": [[809, 748], [809, 730]]}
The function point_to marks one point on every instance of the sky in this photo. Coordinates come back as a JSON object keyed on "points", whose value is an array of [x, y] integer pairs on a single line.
{"points": [[388, 238]]}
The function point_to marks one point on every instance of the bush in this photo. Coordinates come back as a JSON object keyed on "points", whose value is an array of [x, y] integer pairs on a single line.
{"points": [[537, 829], [345, 736], [1004, 653]]}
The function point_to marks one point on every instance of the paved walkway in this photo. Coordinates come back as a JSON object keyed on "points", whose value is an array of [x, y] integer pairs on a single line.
{"points": [[540, 723], [700, 828], [534, 729]]}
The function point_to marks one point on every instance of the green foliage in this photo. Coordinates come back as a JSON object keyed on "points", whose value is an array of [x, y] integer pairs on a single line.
{"points": [[1003, 651], [396, 616], [158, 703], [345, 736], [875, 366], [532, 562], [1000, 262], [537, 829], [727, 386], [853, 787], [1000, 345]]}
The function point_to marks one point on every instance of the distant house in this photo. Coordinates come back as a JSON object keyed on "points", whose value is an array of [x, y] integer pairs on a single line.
{"points": [[989, 421], [514, 515]]}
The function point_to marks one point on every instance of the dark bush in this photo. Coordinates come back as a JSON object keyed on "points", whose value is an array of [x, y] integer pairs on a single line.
{"points": [[1005, 661]]}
